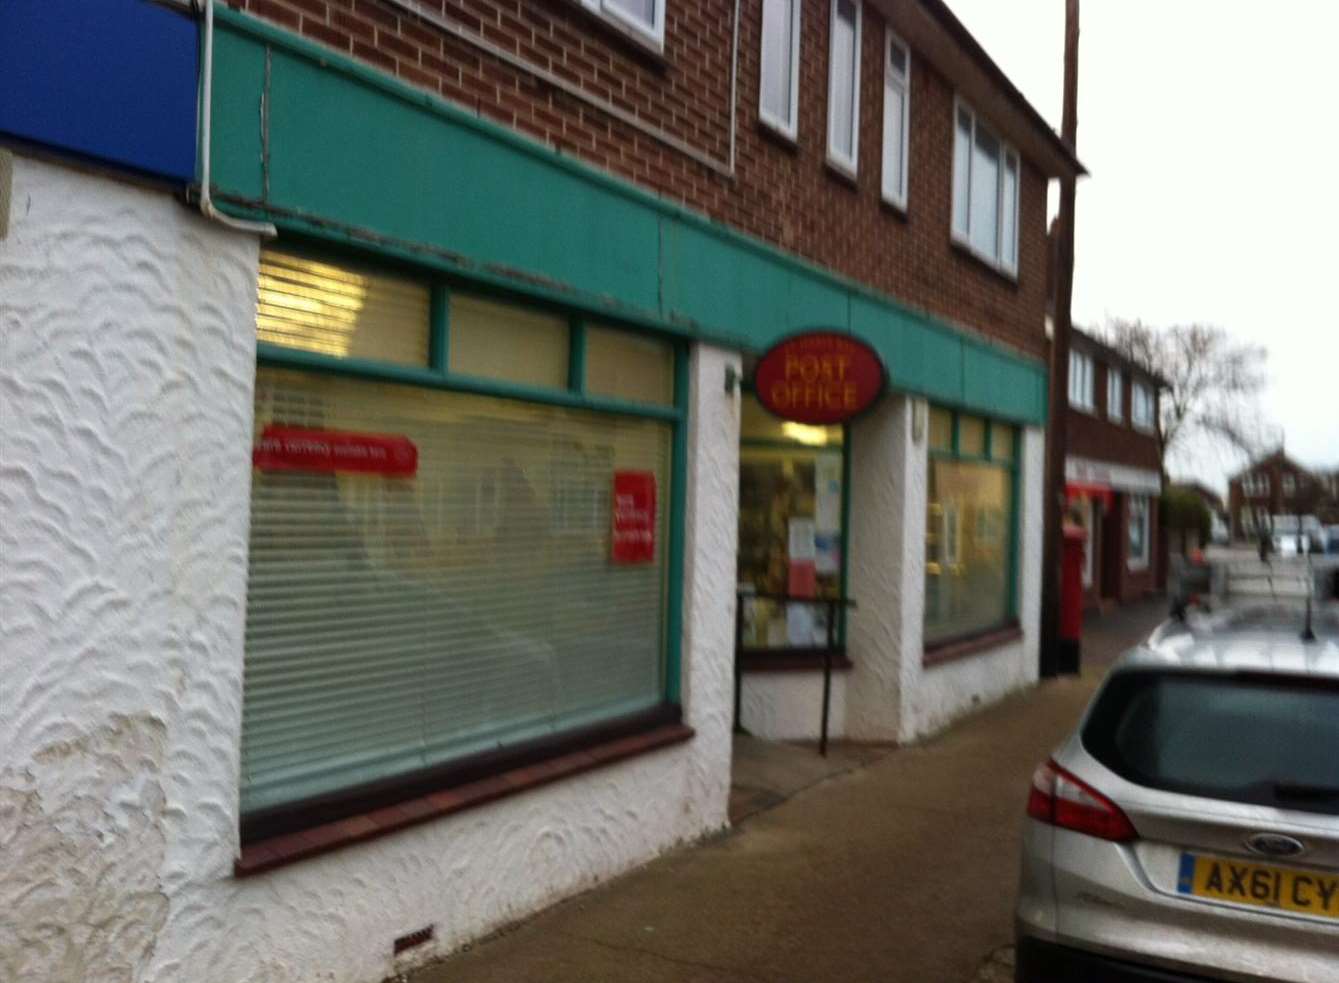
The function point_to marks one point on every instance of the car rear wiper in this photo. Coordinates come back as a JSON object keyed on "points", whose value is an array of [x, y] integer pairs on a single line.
{"points": [[1302, 790]]}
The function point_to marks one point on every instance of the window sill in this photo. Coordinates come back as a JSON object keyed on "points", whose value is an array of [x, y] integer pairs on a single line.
{"points": [[953, 649], [778, 134], [895, 207], [1003, 272], [842, 171], [278, 851], [642, 42], [791, 660]]}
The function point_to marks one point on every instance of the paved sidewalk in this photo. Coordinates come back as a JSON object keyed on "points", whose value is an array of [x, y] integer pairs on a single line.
{"points": [[899, 872]]}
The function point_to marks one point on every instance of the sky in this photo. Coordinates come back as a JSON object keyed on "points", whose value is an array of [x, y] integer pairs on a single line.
{"points": [[1211, 133]]}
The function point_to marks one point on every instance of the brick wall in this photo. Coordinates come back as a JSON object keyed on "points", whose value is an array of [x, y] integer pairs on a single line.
{"points": [[1095, 435], [782, 193]]}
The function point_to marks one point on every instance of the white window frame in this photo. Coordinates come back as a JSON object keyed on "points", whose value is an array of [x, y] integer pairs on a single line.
{"points": [[837, 159], [652, 35], [896, 87], [1007, 151], [789, 128], [1141, 396], [1081, 383], [1115, 394], [1139, 562]]}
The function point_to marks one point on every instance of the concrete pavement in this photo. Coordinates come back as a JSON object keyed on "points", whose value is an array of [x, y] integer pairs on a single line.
{"points": [[901, 872]]}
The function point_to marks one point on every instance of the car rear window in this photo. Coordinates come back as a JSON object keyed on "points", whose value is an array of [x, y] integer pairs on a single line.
{"points": [[1241, 738]]}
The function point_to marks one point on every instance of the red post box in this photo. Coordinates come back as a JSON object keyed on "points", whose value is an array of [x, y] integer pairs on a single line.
{"points": [[1071, 598]]}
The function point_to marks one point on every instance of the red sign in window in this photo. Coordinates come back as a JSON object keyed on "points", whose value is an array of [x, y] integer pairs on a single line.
{"points": [[296, 449], [634, 533]]}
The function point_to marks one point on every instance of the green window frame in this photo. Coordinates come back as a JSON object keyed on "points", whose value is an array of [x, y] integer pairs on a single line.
{"points": [[436, 375], [991, 454]]}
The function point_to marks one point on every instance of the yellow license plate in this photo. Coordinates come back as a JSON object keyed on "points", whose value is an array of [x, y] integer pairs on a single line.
{"points": [[1262, 885]]}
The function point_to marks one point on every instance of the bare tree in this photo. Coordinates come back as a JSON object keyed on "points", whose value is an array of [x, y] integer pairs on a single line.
{"points": [[1213, 384]]}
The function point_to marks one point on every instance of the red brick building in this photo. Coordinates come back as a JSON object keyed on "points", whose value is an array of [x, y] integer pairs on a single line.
{"points": [[659, 113], [1276, 485], [1113, 470]]}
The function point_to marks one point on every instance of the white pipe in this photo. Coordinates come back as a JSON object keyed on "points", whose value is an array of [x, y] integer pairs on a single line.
{"points": [[207, 208], [461, 33]]}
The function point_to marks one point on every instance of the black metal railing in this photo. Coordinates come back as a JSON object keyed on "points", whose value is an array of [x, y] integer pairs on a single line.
{"points": [[829, 652]]}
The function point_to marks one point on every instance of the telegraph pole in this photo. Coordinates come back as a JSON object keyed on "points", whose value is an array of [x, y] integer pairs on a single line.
{"points": [[1057, 436]]}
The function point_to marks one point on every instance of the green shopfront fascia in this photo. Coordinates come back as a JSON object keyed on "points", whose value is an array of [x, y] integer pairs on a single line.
{"points": [[525, 322]]}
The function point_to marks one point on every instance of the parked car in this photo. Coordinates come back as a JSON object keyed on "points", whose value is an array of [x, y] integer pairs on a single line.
{"points": [[1189, 829]]}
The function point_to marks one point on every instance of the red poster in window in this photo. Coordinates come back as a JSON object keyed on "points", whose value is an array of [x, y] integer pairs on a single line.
{"points": [[634, 532], [295, 449]]}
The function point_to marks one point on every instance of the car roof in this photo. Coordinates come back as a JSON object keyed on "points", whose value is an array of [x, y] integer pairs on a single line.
{"points": [[1261, 637]]}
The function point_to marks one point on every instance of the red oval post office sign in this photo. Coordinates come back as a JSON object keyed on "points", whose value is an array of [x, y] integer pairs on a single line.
{"points": [[819, 377]]}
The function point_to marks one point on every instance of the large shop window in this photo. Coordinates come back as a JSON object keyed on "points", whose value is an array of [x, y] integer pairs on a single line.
{"points": [[1138, 528], [791, 522], [459, 581], [971, 520]]}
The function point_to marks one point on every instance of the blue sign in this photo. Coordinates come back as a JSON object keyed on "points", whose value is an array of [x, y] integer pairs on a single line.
{"points": [[110, 80]]}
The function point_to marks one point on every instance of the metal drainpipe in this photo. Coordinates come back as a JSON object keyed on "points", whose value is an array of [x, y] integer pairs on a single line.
{"points": [[207, 208]]}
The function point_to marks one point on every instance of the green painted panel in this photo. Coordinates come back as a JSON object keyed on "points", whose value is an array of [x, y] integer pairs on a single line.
{"points": [[451, 186], [359, 158], [239, 74]]}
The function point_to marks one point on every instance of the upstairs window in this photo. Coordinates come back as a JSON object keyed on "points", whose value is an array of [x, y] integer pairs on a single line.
{"points": [[643, 19], [1289, 486], [1141, 406], [1080, 380], [896, 116], [779, 87], [844, 86], [985, 192], [1255, 484], [1115, 394]]}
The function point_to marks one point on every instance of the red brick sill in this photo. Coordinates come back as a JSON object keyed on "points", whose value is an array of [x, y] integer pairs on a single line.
{"points": [[802, 661], [278, 851], [961, 648]]}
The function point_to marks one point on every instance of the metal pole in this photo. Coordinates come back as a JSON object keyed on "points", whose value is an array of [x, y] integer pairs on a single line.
{"points": [[827, 682], [739, 675]]}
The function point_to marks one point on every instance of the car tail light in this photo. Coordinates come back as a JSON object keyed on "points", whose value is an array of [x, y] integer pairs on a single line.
{"points": [[1060, 799]]}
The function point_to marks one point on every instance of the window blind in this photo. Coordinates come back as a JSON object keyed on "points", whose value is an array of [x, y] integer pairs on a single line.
{"points": [[396, 623]]}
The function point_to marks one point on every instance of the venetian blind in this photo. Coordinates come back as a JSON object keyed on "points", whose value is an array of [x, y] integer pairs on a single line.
{"points": [[397, 623]]}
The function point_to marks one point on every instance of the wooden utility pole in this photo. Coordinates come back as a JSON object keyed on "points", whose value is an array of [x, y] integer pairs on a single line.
{"points": [[1057, 442]]}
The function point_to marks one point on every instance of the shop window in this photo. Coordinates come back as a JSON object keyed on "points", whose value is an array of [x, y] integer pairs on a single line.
{"points": [[970, 542], [941, 429], [791, 522], [343, 311], [508, 343], [436, 575], [1138, 526], [1002, 438], [985, 192], [896, 119], [844, 86], [971, 436], [779, 88], [628, 366]]}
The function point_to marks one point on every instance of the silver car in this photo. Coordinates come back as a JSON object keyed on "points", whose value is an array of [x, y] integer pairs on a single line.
{"points": [[1189, 830]]}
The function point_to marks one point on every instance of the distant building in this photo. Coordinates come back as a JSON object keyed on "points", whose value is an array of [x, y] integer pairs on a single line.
{"points": [[1276, 485], [1113, 470]]}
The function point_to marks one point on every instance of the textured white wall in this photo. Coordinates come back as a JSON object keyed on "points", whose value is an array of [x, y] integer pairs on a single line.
{"points": [[788, 706], [126, 381]]}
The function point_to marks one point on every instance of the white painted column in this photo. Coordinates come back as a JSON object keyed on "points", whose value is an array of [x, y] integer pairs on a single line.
{"points": [[886, 567], [711, 535]]}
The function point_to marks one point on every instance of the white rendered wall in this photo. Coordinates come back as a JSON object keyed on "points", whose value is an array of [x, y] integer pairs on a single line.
{"points": [[788, 706], [126, 376]]}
